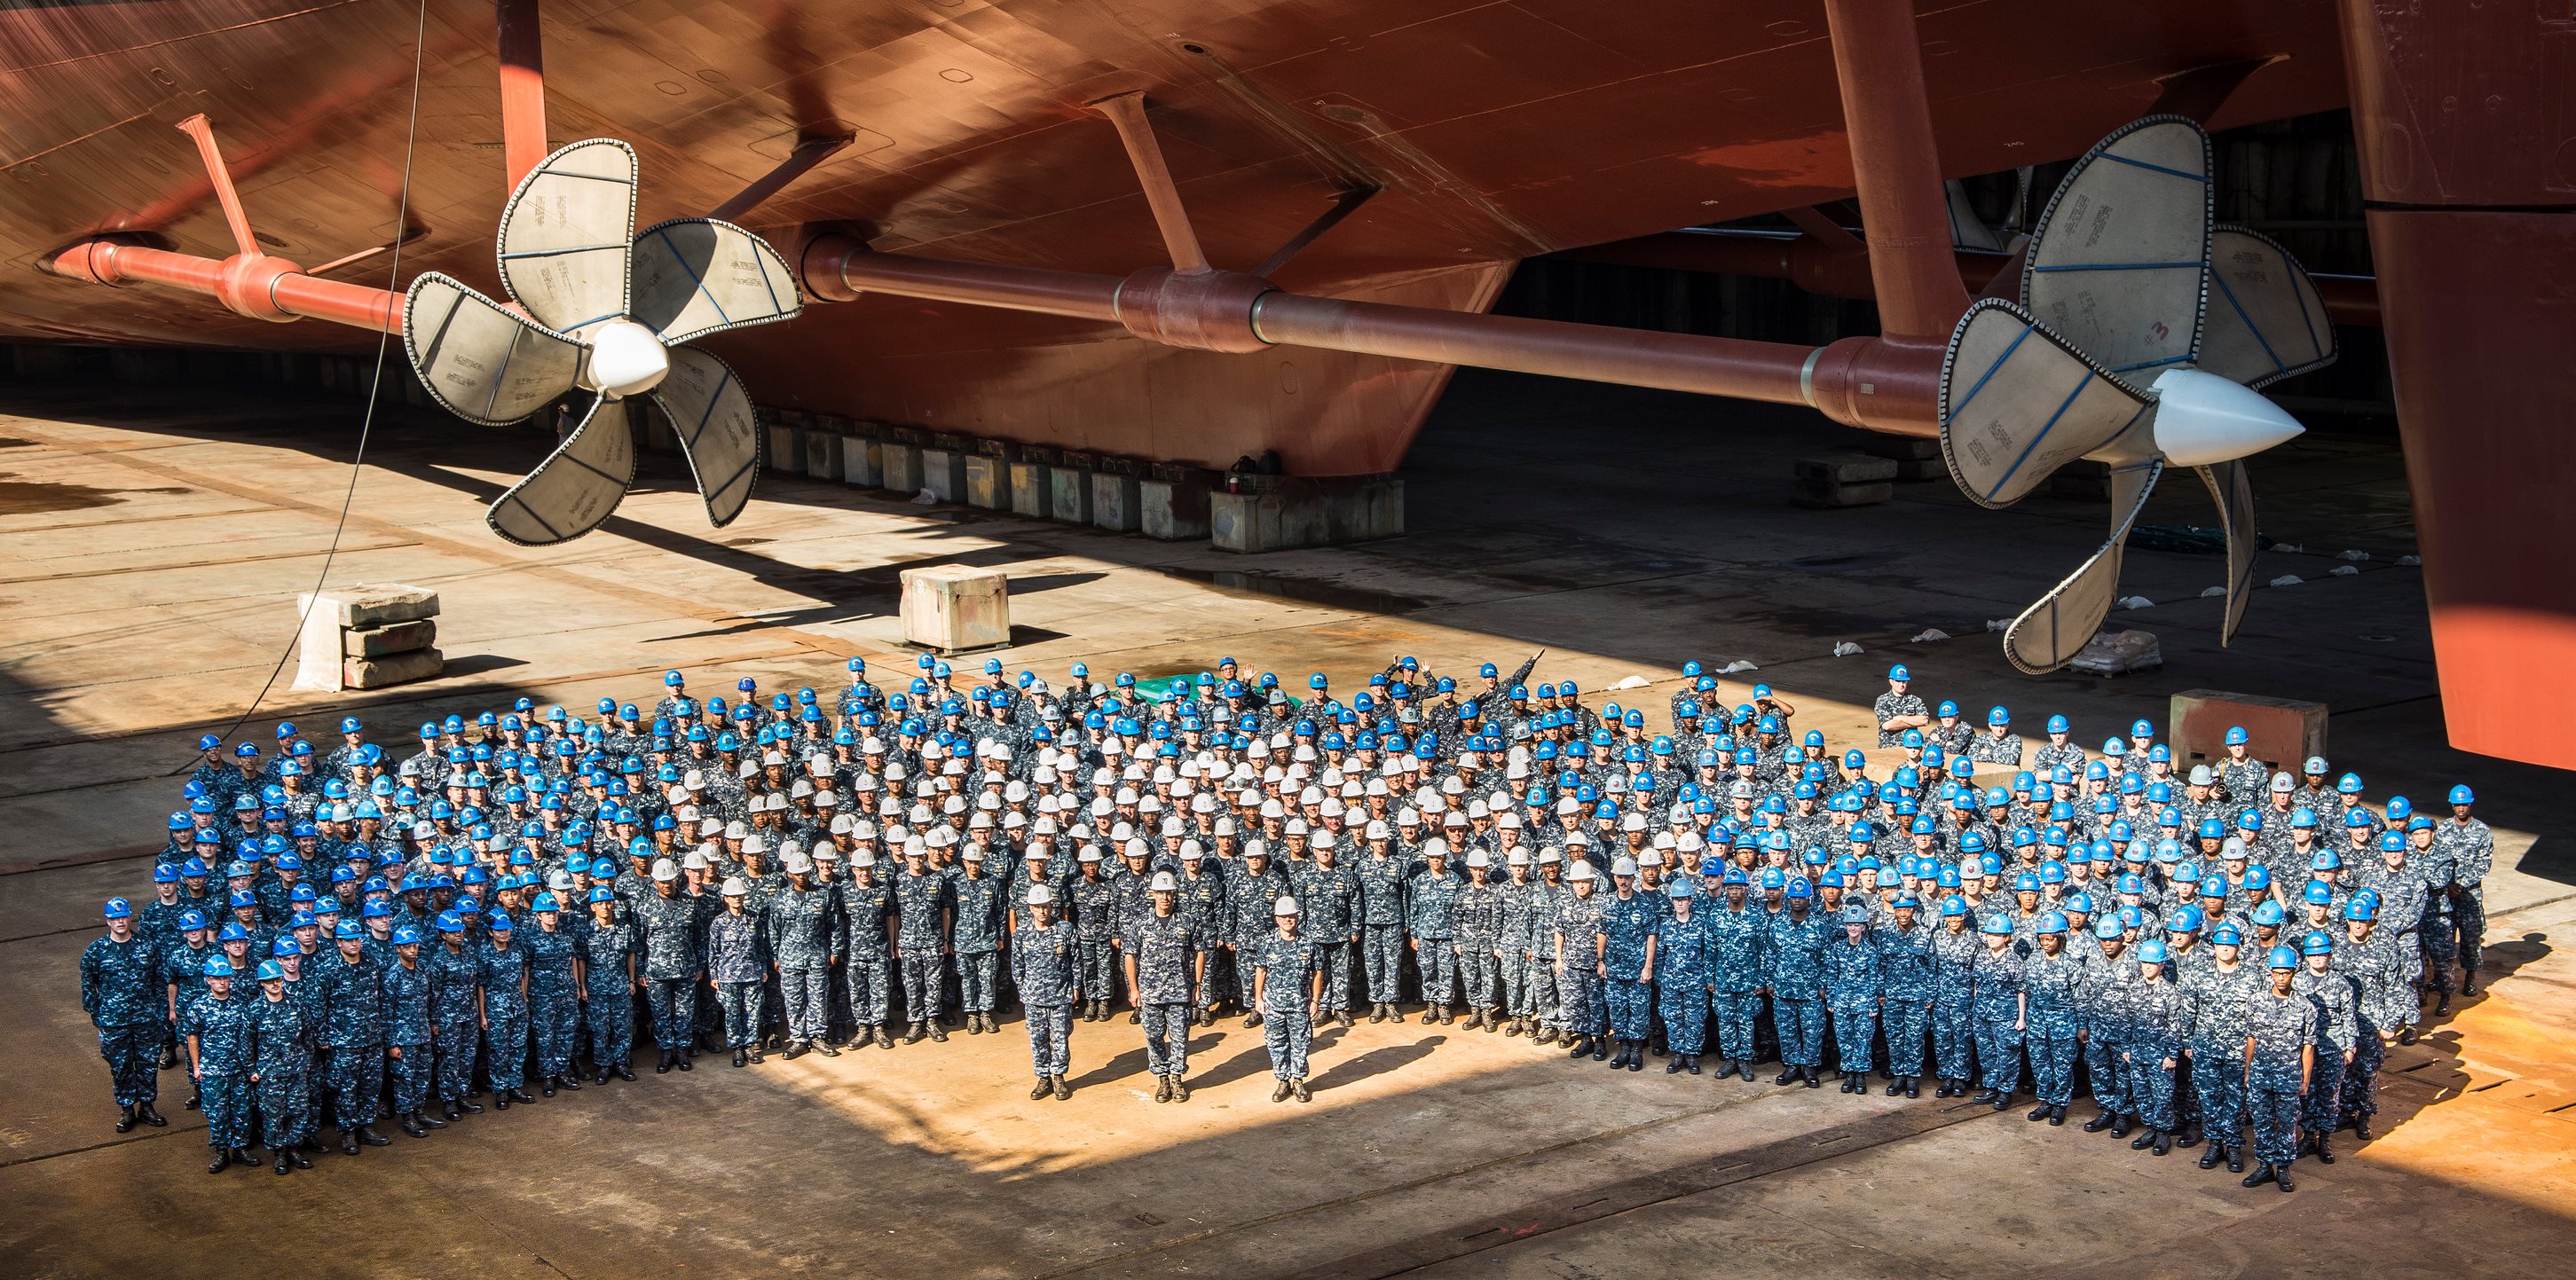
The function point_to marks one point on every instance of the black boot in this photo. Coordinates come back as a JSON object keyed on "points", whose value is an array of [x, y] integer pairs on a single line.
{"points": [[500, 1102], [2468, 987], [2281, 1177], [1690, 1063], [1895, 1085], [546, 1086], [296, 1158], [2236, 1159], [568, 1082], [1745, 1069], [281, 1164], [662, 1065], [1810, 1074], [2120, 1127], [427, 1121], [915, 1033], [1377, 1013], [472, 1108], [411, 1127], [1582, 1045], [1600, 1047], [2262, 1174], [125, 1119], [741, 1057], [2325, 1153], [1914, 1086], [2209, 1158], [2099, 1122], [2163, 1144], [2147, 1137], [1674, 1067], [223, 1160], [143, 1111], [2038, 1113], [348, 1142], [2360, 1124], [1636, 1055]]}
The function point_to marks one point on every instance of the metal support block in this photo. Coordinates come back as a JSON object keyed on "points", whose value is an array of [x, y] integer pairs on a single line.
{"points": [[1032, 489], [988, 482], [1262, 513], [943, 472]]}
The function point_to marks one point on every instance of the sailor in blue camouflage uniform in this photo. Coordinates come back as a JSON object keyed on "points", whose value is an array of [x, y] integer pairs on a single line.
{"points": [[1794, 948], [1897, 710], [502, 967], [2052, 976], [352, 1035], [281, 1052], [455, 1012], [1046, 962], [554, 993], [2282, 1027], [1328, 898], [609, 985], [1478, 920], [410, 1064], [2002, 1015], [736, 962], [666, 925], [1285, 988], [1158, 971], [867, 922], [975, 937], [1737, 933], [1953, 1015], [1905, 986], [801, 932], [217, 1028], [2469, 849], [1577, 946], [2217, 998], [2337, 997], [122, 993], [1431, 918], [1381, 875], [1625, 960], [923, 904], [1093, 898], [2154, 1021], [1852, 992], [2108, 970], [2383, 997], [1681, 973]]}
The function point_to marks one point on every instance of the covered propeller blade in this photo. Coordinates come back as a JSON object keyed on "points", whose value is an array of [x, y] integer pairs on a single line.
{"points": [[696, 276], [481, 361], [2232, 487], [567, 233], [577, 486], [719, 431], [2265, 320], [2017, 402], [2051, 632], [2119, 260]]}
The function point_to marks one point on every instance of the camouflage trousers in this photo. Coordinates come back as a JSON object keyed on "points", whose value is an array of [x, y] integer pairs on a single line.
{"points": [[2320, 1109], [674, 1004], [2469, 919], [808, 992], [1905, 1024], [1581, 1004], [1631, 1007], [1382, 955], [225, 1100], [133, 1056], [1522, 974], [1099, 969], [1050, 1039], [2102, 1070], [611, 1018], [1684, 1008], [2052, 1062], [2218, 1082], [1167, 1038], [1736, 1014], [1482, 970], [1999, 1049], [357, 1083], [979, 980], [285, 1109], [1438, 962], [924, 977], [1333, 960], [412, 1074], [1801, 1028], [2149, 1084], [1855, 1036], [1287, 1033], [741, 1004], [1953, 1034], [2361, 1079], [505, 1045], [2437, 940], [455, 1057], [2274, 1105], [866, 987], [553, 1021]]}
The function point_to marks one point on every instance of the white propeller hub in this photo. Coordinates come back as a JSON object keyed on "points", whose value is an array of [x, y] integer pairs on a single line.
{"points": [[2203, 419], [626, 359]]}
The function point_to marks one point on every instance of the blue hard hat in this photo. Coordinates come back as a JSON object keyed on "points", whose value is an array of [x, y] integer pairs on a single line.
{"points": [[2282, 958], [2080, 901], [217, 967], [2236, 736], [1995, 924], [2317, 894], [118, 909], [2349, 784], [1954, 905], [1898, 672], [2362, 907], [2058, 724], [2462, 795], [2269, 911], [2141, 729], [2052, 922], [2026, 882], [2152, 951], [2186, 919], [284, 947], [1799, 888], [2107, 927], [1774, 878], [2316, 944], [497, 922]]}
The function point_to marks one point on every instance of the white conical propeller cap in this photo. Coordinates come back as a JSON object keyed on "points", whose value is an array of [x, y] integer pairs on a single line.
{"points": [[2203, 419], [626, 359]]}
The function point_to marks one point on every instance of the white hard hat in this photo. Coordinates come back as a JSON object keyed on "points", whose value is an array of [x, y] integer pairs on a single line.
{"points": [[1163, 883], [1285, 906]]}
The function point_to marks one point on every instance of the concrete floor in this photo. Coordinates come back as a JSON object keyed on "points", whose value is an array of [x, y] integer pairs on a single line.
{"points": [[151, 544]]}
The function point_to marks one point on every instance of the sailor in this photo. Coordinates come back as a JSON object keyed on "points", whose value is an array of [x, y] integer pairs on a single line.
{"points": [[217, 1028], [122, 994], [1046, 966], [1158, 971], [1897, 710], [1853, 988], [1286, 987], [2280, 1065]]}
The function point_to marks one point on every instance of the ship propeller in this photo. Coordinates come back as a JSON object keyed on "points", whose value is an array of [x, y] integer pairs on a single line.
{"points": [[605, 309], [2139, 338]]}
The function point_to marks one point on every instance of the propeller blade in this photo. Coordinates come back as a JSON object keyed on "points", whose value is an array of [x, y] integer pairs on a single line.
{"points": [[2051, 632], [481, 361], [2265, 319], [567, 233], [2017, 403], [573, 491], [696, 276], [2120, 259], [719, 431], [2232, 487]]}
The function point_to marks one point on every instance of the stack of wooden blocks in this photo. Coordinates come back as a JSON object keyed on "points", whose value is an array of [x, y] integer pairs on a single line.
{"points": [[368, 637]]}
